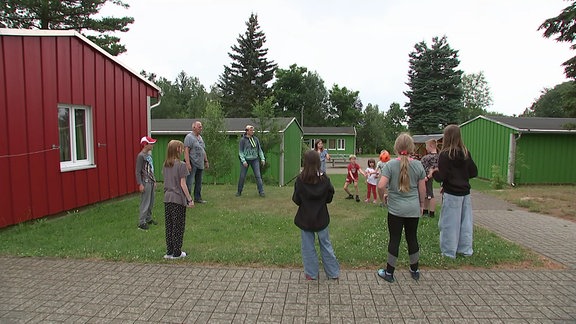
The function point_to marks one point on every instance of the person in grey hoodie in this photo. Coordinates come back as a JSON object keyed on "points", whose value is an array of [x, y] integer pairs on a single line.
{"points": [[250, 154], [312, 192]]}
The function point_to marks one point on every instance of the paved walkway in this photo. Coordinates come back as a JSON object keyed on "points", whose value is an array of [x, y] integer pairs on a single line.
{"points": [[40, 290]]}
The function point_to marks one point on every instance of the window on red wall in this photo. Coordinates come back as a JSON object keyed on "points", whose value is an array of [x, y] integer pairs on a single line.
{"points": [[75, 135]]}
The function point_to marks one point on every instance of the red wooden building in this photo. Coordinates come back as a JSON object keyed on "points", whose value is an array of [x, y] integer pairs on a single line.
{"points": [[71, 117]]}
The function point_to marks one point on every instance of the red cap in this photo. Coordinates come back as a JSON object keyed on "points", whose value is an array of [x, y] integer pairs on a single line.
{"points": [[147, 140]]}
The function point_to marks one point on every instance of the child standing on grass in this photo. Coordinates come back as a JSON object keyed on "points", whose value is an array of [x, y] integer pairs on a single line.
{"points": [[146, 182], [430, 161], [455, 169], [371, 180], [404, 178], [324, 155], [352, 177], [312, 192], [176, 199]]}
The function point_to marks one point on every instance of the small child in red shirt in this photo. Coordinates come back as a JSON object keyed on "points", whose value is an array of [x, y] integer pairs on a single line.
{"points": [[352, 177]]}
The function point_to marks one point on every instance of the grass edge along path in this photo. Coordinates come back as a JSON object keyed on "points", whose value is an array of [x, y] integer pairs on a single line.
{"points": [[248, 231]]}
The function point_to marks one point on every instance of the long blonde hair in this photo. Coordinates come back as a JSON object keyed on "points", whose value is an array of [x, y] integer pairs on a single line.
{"points": [[403, 146], [452, 142], [173, 153]]}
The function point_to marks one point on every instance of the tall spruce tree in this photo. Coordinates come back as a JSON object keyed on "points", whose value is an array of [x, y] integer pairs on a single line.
{"points": [[67, 15], [245, 81], [435, 94]]}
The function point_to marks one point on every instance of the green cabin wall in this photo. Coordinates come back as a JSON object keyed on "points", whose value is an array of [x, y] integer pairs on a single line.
{"points": [[541, 158], [292, 150], [489, 144], [546, 158]]}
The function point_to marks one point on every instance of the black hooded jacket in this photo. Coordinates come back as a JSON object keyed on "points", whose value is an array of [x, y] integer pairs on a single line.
{"points": [[455, 173], [312, 214]]}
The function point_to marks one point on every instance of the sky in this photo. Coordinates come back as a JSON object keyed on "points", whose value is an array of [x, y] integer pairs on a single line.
{"points": [[362, 44]]}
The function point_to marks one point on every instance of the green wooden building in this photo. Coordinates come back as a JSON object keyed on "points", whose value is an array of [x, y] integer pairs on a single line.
{"points": [[283, 160], [527, 150], [338, 140]]}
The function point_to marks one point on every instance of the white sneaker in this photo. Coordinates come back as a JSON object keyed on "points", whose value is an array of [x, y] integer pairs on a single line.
{"points": [[168, 256], [182, 254]]}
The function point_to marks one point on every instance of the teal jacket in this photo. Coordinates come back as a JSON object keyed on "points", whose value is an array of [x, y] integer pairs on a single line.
{"points": [[249, 149]]}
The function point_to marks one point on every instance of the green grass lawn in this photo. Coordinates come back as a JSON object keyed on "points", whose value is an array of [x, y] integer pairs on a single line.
{"points": [[243, 231]]}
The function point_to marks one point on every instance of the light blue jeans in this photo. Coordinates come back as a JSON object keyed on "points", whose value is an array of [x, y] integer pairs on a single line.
{"points": [[310, 258], [456, 225], [255, 164]]}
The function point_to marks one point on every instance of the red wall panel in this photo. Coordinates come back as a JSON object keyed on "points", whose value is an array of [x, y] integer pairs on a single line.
{"points": [[6, 217], [44, 71], [37, 181], [17, 135], [49, 108]]}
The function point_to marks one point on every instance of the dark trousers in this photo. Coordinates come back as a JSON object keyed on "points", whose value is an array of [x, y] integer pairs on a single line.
{"points": [[175, 215], [395, 225]]}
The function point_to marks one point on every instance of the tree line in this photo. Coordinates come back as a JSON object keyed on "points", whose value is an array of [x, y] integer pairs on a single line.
{"points": [[439, 92]]}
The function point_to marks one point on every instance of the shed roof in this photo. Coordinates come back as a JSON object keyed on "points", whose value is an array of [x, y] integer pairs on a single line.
{"points": [[418, 139], [233, 125], [72, 33], [531, 124], [329, 131]]}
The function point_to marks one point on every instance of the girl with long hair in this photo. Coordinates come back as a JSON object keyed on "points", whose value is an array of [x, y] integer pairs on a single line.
{"points": [[404, 178], [455, 169], [176, 199], [312, 192]]}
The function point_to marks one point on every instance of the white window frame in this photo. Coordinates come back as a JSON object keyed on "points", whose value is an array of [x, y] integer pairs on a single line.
{"points": [[75, 163], [341, 144]]}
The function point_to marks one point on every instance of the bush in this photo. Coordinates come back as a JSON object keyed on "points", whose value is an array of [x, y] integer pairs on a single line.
{"points": [[497, 181]]}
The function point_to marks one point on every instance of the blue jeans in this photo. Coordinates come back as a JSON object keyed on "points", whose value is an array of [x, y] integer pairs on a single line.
{"points": [[310, 258], [255, 164], [456, 225], [196, 177]]}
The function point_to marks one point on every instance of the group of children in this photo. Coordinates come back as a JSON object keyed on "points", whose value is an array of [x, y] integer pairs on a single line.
{"points": [[406, 186]]}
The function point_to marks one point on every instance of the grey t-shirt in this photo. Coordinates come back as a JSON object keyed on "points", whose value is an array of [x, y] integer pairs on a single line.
{"points": [[173, 192], [403, 204], [197, 149]]}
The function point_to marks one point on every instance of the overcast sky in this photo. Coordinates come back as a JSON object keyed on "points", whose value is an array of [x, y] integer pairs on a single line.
{"points": [[360, 44]]}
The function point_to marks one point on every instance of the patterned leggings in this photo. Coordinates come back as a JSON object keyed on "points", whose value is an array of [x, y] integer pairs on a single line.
{"points": [[175, 222]]}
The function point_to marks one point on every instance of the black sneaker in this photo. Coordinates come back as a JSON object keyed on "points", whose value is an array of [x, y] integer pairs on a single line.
{"points": [[385, 275], [350, 197], [143, 227], [415, 274], [153, 222], [357, 198]]}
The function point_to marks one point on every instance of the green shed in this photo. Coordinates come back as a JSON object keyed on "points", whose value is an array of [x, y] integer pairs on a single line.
{"points": [[527, 150], [338, 140], [283, 160]]}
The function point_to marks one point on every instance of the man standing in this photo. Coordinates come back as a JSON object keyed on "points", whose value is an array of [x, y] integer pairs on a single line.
{"points": [[196, 160], [250, 154]]}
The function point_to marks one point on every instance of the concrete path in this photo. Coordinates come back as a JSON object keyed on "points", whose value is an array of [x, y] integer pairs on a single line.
{"points": [[46, 290]]}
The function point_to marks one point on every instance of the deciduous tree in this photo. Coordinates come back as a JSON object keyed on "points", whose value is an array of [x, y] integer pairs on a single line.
{"points": [[564, 26], [76, 15], [559, 102], [476, 96], [345, 107], [301, 94]]}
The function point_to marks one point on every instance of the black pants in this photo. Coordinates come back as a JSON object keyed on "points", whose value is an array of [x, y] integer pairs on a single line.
{"points": [[175, 215], [395, 225]]}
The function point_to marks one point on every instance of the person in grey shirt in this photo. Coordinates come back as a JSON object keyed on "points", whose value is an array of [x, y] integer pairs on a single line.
{"points": [[196, 160]]}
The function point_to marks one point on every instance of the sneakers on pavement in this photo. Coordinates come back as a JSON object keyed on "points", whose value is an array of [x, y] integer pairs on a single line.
{"points": [[143, 227], [415, 274], [385, 275]]}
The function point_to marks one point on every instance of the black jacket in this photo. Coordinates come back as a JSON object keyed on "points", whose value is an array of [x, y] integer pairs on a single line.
{"points": [[312, 214], [455, 173]]}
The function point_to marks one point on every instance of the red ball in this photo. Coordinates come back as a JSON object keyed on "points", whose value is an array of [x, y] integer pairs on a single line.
{"points": [[385, 156]]}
